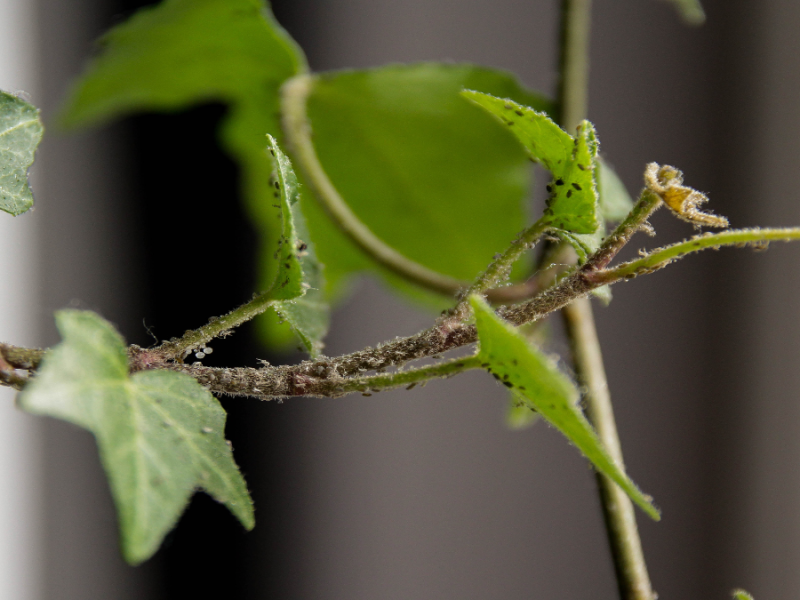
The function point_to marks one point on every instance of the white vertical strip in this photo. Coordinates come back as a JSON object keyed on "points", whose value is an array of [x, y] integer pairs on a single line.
{"points": [[20, 535]]}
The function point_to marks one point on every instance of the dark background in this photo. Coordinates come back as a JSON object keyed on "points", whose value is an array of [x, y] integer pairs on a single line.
{"points": [[426, 494]]}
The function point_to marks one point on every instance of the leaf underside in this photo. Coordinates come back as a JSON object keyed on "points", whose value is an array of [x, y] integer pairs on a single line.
{"points": [[536, 378], [298, 289], [160, 434], [20, 133]]}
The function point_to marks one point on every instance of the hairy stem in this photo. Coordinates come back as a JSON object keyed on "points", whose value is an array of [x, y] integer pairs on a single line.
{"points": [[500, 269], [618, 511], [626, 547], [20, 358], [297, 129], [657, 259], [216, 327]]}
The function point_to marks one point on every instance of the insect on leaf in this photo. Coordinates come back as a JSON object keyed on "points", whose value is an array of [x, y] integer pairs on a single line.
{"points": [[536, 378], [299, 284], [572, 205]]}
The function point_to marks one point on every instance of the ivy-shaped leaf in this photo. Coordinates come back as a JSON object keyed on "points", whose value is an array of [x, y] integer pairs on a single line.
{"points": [[20, 133], [299, 284], [537, 379], [160, 434]]}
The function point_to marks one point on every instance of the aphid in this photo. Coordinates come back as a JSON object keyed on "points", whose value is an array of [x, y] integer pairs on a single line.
{"points": [[519, 112], [559, 181], [302, 246], [576, 186]]}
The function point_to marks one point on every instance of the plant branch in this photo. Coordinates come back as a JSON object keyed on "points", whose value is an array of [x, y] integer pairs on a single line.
{"points": [[620, 517], [223, 326], [626, 547], [298, 380], [319, 378], [297, 129], [660, 258], [20, 358], [573, 86], [500, 269]]}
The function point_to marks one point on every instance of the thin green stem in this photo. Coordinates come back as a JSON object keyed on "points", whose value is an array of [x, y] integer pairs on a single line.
{"points": [[216, 327], [500, 269], [297, 129], [637, 218], [573, 87], [657, 259], [626, 548]]}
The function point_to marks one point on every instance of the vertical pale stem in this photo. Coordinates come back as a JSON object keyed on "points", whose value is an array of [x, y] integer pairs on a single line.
{"points": [[623, 535], [620, 518]]}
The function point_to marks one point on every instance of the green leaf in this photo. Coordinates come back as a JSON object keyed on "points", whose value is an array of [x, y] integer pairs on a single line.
{"points": [[572, 204], [160, 434], [428, 173], [615, 201], [299, 282], [741, 595], [184, 52], [535, 376], [181, 53], [20, 133]]}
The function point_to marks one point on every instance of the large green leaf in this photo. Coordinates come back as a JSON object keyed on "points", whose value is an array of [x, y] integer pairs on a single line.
{"points": [[20, 133], [572, 202], [428, 173], [525, 369], [185, 52], [741, 595], [299, 282], [160, 434]]}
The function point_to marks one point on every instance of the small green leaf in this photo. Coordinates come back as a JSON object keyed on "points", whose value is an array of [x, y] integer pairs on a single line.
{"points": [[160, 434], [615, 201], [20, 133], [428, 173], [741, 595], [299, 282], [526, 370], [572, 204]]}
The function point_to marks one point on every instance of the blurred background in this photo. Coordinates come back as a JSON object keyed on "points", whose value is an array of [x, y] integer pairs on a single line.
{"points": [[426, 494]]}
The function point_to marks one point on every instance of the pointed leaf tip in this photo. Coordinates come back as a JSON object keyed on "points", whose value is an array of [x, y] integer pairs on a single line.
{"points": [[537, 379], [160, 434]]}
